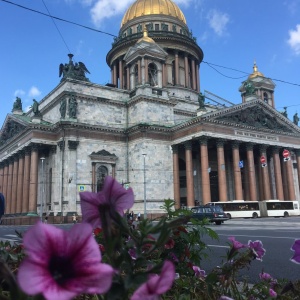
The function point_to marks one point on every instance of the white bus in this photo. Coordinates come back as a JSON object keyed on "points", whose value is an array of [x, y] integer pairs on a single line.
{"points": [[277, 208], [255, 209], [239, 208]]}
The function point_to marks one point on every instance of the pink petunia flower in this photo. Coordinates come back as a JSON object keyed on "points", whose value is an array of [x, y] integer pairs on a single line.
{"points": [[113, 198], [296, 247], [265, 276], [198, 272], [257, 248], [157, 284], [235, 244], [272, 293], [62, 264]]}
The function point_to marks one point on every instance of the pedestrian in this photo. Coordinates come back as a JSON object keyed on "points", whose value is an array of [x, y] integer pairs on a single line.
{"points": [[2, 206], [46, 220], [74, 219], [139, 216]]}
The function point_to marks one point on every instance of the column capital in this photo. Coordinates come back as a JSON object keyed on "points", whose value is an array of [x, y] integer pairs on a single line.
{"points": [[249, 146], [175, 148], [6, 163], [235, 144], [188, 145], [2, 164], [220, 143], [297, 151], [21, 153], [275, 150], [61, 145], [34, 147], [11, 160], [73, 145], [263, 148], [203, 140], [93, 163], [27, 150], [53, 149]]}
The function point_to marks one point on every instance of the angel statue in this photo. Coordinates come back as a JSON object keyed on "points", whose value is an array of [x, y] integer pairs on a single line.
{"points": [[74, 71]]}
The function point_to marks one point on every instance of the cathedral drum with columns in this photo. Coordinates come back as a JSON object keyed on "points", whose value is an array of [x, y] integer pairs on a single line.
{"points": [[150, 128]]}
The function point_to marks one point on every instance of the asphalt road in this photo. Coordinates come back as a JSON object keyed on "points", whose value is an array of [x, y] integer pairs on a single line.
{"points": [[276, 234]]}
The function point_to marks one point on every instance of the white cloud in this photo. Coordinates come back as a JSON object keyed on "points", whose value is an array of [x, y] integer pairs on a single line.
{"points": [[104, 9], [107, 8], [34, 92], [294, 39], [19, 93], [218, 21], [184, 2]]}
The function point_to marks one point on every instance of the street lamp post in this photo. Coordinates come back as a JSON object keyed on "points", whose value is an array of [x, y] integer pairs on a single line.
{"points": [[145, 204], [42, 197]]}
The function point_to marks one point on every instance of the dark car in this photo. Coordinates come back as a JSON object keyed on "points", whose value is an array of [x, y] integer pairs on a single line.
{"points": [[213, 214]]}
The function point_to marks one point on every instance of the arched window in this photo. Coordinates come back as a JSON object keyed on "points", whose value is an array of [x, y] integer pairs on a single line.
{"points": [[102, 172], [136, 75], [173, 73], [152, 74], [266, 97]]}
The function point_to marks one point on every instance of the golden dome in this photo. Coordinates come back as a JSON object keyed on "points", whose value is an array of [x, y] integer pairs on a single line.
{"points": [[153, 7], [255, 72]]}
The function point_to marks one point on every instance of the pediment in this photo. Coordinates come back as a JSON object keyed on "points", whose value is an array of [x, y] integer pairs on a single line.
{"points": [[10, 129], [103, 156], [255, 115], [145, 48], [103, 152]]}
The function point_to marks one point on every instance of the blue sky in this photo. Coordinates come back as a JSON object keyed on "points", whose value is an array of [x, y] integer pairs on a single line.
{"points": [[231, 33]]}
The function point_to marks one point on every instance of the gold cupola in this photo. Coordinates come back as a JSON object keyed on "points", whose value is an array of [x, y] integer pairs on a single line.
{"points": [[153, 7], [255, 73]]}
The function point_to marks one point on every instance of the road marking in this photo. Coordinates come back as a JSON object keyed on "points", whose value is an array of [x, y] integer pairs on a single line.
{"points": [[218, 246], [262, 236]]}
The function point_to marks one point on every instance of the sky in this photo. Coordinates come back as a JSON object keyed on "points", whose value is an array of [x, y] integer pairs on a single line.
{"points": [[232, 34]]}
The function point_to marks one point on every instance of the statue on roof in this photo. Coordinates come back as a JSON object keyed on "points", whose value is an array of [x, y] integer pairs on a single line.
{"points": [[35, 108], [17, 104], [201, 100], [284, 113], [74, 71], [250, 89], [296, 119]]}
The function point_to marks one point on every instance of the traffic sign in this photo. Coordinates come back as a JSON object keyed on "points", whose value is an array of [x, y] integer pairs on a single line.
{"points": [[81, 188], [263, 159], [263, 165], [286, 153]]}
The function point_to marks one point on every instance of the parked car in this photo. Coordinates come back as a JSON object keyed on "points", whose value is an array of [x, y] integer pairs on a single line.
{"points": [[213, 214]]}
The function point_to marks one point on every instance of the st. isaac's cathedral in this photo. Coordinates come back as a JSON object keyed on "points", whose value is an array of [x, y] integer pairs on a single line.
{"points": [[151, 128]]}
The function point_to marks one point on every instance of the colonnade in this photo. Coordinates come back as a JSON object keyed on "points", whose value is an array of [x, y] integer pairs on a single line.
{"points": [[19, 181], [257, 182], [122, 74]]}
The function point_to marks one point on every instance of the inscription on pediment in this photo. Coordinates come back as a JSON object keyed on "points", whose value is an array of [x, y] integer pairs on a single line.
{"points": [[11, 129], [255, 117]]}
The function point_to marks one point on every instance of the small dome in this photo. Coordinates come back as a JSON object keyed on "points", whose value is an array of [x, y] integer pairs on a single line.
{"points": [[255, 73], [145, 37], [153, 7]]}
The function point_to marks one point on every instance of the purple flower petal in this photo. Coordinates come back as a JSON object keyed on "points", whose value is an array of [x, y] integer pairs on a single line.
{"points": [[265, 276], [296, 248], [272, 293], [62, 264], [235, 244], [257, 248], [157, 284], [113, 198], [198, 272]]}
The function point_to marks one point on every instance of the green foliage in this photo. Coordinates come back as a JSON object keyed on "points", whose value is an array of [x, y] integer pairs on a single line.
{"points": [[140, 251]]}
